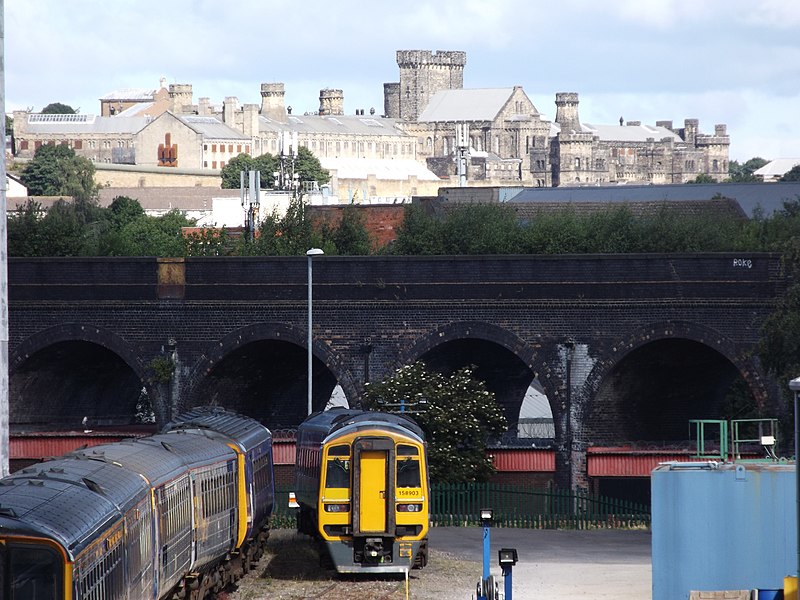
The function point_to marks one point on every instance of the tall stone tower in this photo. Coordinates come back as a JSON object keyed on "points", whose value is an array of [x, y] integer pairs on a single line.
{"points": [[422, 74], [331, 102], [273, 101], [567, 112], [180, 97], [572, 151]]}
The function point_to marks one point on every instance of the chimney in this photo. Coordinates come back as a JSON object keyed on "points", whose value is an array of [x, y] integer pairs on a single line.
{"points": [[273, 102], [250, 128], [229, 110]]}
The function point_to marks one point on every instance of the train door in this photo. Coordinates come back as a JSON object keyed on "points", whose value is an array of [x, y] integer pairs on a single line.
{"points": [[374, 482], [372, 491]]}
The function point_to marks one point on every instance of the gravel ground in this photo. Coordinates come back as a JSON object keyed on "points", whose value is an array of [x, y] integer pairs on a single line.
{"points": [[290, 571], [553, 565]]}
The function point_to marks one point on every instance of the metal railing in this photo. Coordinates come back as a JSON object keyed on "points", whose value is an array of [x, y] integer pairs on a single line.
{"points": [[459, 505]]}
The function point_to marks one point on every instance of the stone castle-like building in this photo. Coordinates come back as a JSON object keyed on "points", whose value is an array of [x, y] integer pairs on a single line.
{"points": [[409, 150]]}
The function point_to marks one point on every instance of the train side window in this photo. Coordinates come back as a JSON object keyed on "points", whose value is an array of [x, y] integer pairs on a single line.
{"points": [[338, 473], [340, 450], [408, 473]]}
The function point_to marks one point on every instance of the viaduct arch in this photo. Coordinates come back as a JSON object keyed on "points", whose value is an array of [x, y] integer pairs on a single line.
{"points": [[591, 333]]}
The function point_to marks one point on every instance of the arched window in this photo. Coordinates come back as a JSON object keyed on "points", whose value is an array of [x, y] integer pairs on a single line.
{"points": [[578, 163], [429, 145]]}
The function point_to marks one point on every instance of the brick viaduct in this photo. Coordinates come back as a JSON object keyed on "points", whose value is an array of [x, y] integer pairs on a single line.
{"points": [[625, 348]]}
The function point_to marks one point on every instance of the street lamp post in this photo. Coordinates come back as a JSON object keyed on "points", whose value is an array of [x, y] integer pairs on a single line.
{"points": [[310, 254], [794, 385]]}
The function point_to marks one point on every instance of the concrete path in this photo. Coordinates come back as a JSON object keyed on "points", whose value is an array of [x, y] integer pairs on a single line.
{"points": [[560, 565]]}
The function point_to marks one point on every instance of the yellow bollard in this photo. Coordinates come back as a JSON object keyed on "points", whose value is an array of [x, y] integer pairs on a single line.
{"points": [[790, 588], [406, 584]]}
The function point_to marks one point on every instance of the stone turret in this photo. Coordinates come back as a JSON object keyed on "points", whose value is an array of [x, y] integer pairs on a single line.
{"points": [[331, 102], [273, 101], [180, 97], [567, 112], [422, 74]]}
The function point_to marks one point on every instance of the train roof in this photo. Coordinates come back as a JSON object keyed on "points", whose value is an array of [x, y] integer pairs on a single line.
{"points": [[60, 506], [336, 419], [245, 431], [161, 457]]}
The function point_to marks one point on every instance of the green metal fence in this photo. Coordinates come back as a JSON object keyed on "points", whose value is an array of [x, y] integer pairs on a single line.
{"points": [[518, 506], [512, 506]]}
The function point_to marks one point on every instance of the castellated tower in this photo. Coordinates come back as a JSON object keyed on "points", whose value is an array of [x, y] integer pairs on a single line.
{"points": [[567, 112], [422, 74], [273, 102], [180, 97], [331, 102]]}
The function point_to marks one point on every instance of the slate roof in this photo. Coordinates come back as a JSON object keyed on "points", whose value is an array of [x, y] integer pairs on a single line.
{"points": [[750, 197], [212, 128], [629, 133], [482, 104], [333, 124]]}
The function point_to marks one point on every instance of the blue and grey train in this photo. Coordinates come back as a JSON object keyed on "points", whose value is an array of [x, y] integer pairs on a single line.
{"points": [[176, 515]]}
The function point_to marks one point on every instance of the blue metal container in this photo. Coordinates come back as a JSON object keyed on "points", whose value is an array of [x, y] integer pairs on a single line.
{"points": [[722, 527]]}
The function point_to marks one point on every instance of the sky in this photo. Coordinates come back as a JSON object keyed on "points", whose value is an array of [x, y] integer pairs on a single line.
{"points": [[735, 62]]}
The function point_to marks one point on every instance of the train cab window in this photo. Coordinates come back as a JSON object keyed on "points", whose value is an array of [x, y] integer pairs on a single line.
{"points": [[406, 450], [408, 473], [337, 474], [34, 572], [340, 450]]}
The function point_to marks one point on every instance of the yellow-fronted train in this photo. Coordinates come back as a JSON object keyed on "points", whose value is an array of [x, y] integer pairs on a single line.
{"points": [[176, 515], [361, 482]]}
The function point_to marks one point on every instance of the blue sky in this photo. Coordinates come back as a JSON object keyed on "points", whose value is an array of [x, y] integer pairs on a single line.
{"points": [[721, 61]]}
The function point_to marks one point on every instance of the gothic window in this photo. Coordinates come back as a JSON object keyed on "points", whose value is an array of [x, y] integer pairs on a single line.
{"points": [[577, 163], [715, 166], [429, 144]]}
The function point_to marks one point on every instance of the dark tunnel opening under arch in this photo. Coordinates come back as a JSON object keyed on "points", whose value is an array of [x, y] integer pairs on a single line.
{"points": [[504, 374], [657, 389], [267, 380], [59, 385]]}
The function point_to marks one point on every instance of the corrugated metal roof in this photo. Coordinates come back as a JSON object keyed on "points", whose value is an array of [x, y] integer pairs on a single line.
{"points": [[133, 94], [283, 451], [38, 446], [751, 197], [483, 104], [42, 124], [529, 460], [338, 124]]}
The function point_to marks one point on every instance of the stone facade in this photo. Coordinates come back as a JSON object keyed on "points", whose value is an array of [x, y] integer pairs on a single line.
{"points": [[509, 141]]}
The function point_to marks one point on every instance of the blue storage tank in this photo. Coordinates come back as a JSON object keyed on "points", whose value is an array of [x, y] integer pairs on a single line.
{"points": [[722, 526]]}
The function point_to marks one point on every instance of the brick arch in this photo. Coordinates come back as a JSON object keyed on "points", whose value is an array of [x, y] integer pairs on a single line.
{"points": [[117, 387], [277, 332], [478, 330], [621, 348], [74, 332]]}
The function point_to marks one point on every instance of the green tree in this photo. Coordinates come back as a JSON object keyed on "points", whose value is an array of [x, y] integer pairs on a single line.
{"points": [[743, 173], [457, 413], [151, 236], [792, 174], [55, 170], [58, 108], [703, 178], [267, 164], [288, 235], [419, 234], [351, 236], [309, 168]]}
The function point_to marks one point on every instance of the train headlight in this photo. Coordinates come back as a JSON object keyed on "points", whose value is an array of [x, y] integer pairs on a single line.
{"points": [[336, 508], [409, 508]]}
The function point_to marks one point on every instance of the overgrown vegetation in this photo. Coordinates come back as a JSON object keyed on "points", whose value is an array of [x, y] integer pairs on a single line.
{"points": [[456, 412]]}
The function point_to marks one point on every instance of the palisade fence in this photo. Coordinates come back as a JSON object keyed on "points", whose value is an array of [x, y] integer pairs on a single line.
{"points": [[459, 505]]}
